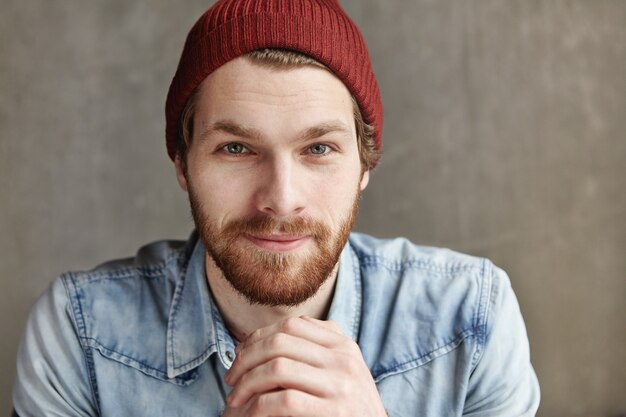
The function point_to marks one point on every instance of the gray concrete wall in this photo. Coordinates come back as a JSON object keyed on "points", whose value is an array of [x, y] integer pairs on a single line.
{"points": [[505, 136]]}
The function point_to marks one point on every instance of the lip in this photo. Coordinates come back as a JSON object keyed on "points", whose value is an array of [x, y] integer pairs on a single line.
{"points": [[279, 243]]}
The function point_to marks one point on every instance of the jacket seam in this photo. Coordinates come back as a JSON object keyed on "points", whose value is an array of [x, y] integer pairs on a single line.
{"points": [[429, 356], [486, 287], [374, 260], [171, 324], [145, 271], [358, 284], [106, 351], [79, 323]]}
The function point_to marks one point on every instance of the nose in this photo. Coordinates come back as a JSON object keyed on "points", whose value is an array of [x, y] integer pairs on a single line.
{"points": [[280, 191]]}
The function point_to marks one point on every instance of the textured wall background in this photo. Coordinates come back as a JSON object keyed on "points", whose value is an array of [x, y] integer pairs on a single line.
{"points": [[505, 136]]}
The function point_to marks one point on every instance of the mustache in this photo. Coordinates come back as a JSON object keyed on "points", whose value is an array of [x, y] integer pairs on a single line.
{"points": [[270, 225]]}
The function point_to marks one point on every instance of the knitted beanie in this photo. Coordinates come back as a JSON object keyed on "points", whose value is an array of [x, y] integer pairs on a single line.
{"points": [[318, 28]]}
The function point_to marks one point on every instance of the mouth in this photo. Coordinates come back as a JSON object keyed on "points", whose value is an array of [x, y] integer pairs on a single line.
{"points": [[279, 243]]}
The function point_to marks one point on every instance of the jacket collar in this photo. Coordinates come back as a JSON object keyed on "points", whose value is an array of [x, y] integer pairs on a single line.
{"points": [[195, 327], [190, 329], [345, 309]]}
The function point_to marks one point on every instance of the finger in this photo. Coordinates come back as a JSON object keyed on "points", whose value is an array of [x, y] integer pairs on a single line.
{"points": [[298, 327], [275, 346], [244, 410], [287, 402], [328, 324], [280, 373]]}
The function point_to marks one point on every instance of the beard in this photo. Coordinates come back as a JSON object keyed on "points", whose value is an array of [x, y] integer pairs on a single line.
{"points": [[273, 278]]}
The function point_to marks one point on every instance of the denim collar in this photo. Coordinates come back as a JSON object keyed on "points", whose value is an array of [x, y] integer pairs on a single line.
{"points": [[196, 329]]}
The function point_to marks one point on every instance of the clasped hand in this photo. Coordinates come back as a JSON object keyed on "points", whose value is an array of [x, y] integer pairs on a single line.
{"points": [[301, 367]]}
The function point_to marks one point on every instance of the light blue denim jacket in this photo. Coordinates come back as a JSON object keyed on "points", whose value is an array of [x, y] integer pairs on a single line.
{"points": [[441, 333]]}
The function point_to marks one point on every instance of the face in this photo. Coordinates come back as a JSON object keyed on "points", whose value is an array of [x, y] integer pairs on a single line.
{"points": [[273, 176]]}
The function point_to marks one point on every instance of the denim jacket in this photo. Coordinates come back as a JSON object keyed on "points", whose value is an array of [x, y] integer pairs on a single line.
{"points": [[441, 333]]}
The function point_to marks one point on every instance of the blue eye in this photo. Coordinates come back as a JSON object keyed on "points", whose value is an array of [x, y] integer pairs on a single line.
{"points": [[235, 148], [319, 149]]}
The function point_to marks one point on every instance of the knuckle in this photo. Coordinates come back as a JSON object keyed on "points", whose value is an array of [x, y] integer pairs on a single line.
{"points": [[245, 377], [276, 341], [257, 406], [250, 379], [289, 400], [278, 366], [350, 365], [290, 324]]}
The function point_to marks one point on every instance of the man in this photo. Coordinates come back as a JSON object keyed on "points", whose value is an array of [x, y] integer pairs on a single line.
{"points": [[272, 308]]}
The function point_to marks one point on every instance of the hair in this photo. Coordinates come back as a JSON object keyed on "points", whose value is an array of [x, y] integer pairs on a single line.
{"points": [[284, 59]]}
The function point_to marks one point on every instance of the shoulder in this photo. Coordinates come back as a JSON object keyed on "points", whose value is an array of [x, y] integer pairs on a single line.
{"points": [[98, 309], [419, 269], [428, 301], [151, 261], [125, 303], [402, 254], [119, 284]]}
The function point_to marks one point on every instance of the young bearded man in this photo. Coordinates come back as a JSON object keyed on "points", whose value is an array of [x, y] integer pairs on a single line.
{"points": [[272, 307]]}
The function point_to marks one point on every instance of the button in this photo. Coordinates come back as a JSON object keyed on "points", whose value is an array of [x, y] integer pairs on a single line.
{"points": [[230, 355]]}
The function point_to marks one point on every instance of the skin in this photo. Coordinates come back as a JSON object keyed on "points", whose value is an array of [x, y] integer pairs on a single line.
{"points": [[281, 143]]}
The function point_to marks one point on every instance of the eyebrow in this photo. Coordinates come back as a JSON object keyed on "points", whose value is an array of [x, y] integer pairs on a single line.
{"points": [[235, 129], [325, 128]]}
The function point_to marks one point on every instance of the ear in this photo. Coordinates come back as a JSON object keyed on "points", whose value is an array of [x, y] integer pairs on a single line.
{"points": [[180, 173], [365, 179]]}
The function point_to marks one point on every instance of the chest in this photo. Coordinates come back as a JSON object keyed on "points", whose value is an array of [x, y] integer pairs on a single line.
{"points": [[434, 388]]}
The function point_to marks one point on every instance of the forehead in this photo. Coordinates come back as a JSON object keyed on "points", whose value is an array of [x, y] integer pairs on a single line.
{"points": [[242, 88]]}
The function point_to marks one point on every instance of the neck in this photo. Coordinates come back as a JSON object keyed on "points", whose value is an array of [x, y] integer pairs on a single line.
{"points": [[242, 318]]}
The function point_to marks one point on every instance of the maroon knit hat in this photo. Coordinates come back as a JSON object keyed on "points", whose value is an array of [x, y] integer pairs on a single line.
{"points": [[318, 28]]}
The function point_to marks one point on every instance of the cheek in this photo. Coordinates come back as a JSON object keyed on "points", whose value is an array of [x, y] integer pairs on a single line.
{"points": [[222, 197], [338, 197]]}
